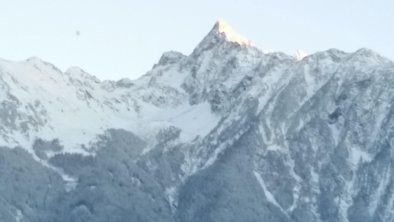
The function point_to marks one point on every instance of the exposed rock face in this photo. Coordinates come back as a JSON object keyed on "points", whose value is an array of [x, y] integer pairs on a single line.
{"points": [[228, 133]]}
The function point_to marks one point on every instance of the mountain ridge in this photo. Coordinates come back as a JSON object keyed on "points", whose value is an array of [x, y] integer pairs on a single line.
{"points": [[227, 133]]}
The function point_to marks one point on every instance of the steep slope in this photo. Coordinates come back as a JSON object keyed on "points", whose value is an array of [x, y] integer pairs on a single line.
{"points": [[228, 133]]}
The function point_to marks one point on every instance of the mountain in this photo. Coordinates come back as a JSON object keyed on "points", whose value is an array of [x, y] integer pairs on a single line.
{"points": [[227, 133]]}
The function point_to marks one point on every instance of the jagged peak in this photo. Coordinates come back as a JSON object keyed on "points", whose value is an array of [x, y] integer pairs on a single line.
{"points": [[79, 73], [223, 29], [219, 34], [369, 56], [38, 62], [170, 57], [75, 69], [299, 54]]}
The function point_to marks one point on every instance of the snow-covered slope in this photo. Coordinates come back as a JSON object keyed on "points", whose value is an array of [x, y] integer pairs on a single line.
{"points": [[228, 133], [40, 101]]}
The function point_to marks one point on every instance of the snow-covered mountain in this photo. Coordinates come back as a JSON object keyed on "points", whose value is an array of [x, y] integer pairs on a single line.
{"points": [[227, 133]]}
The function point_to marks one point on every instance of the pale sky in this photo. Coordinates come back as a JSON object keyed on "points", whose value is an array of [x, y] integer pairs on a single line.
{"points": [[124, 38]]}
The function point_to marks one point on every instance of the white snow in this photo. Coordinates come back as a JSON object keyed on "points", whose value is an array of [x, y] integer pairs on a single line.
{"points": [[297, 187], [270, 197], [18, 216], [300, 55], [357, 155], [274, 147], [230, 34], [171, 195], [197, 120], [75, 108], [267, 193], [335, 132]]}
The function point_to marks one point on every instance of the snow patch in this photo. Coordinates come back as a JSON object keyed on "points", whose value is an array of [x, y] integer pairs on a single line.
{"points": [[267, 193], [172, 199], [335, 132], [230, 35], [300, 55], [274, 147], [357, 155], [198, 120], [270, 197], [18, 216]]}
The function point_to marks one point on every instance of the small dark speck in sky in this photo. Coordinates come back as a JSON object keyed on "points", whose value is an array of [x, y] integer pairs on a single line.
{"points": [[77, 33]]}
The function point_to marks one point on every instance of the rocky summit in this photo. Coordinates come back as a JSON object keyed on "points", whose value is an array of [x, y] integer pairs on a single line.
{"points": [[227, 133]]}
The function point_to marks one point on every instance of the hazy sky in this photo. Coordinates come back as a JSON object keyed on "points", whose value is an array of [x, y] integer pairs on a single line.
{"points": [[124, 38]]}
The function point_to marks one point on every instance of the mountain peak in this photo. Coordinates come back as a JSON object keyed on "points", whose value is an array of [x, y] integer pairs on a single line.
{"points": [[299, 54], [223, 29]]}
